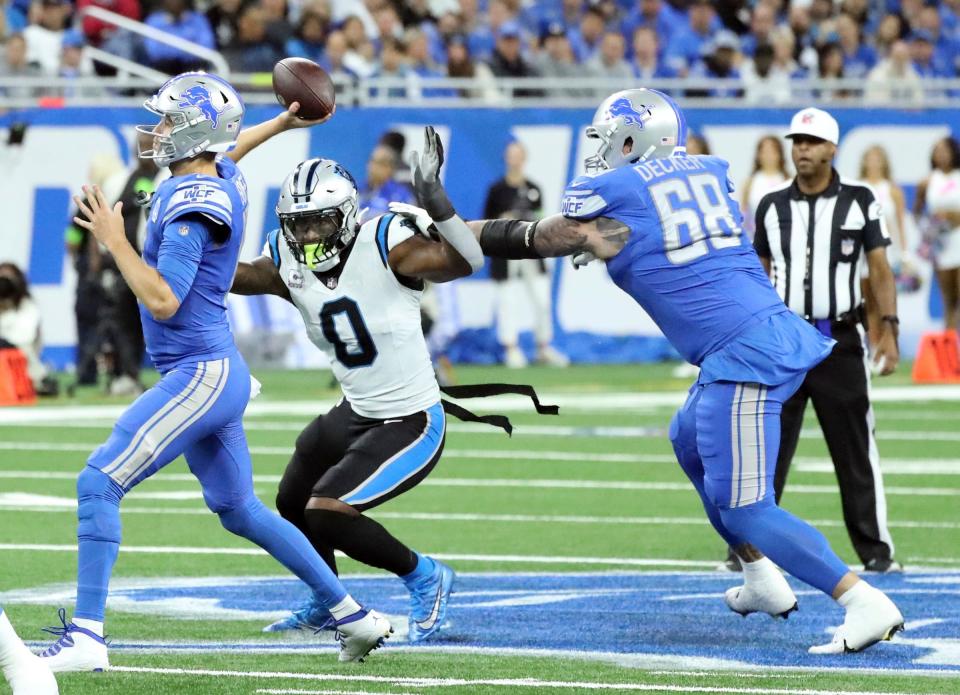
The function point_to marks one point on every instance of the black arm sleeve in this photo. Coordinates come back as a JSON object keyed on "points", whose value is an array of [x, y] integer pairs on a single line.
{"points": [[761, 243], [508, 239]]}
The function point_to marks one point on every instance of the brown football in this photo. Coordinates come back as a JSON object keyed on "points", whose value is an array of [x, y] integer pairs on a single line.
{"points": [[299, 79]]}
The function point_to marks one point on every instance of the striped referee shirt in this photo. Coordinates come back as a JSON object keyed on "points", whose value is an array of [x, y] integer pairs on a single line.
{"points": [[816, 244]]}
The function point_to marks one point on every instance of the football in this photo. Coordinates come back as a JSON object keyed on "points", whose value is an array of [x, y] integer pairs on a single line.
{"points": [[299, 79]]}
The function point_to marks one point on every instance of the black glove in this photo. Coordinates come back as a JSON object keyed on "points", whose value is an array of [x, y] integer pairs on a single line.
{"points": [[426, 178]]}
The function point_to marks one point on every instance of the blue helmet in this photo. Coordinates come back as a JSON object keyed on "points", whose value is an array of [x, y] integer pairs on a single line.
{"points": [[634, 125], [204, 113]]}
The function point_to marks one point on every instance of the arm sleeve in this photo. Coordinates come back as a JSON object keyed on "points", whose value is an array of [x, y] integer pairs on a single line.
{"points": [[761, 242], [875, 233], [181, 251]]}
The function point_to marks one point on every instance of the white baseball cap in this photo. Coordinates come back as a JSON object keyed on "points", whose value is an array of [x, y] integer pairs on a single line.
{"points": [[815, 123]]}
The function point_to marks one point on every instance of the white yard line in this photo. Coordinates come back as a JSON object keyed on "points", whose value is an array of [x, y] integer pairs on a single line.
{"points": [[288, 691], [603, 401], [499, 683], [536, 483], [493, 518]]}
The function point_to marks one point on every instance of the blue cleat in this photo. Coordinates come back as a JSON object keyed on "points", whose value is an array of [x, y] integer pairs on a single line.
{"points": [[428, 602], [312, 615]]}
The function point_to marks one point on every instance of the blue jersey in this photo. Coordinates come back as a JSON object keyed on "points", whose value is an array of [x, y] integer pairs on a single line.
{"points": [[194, 236], [689, 265]]}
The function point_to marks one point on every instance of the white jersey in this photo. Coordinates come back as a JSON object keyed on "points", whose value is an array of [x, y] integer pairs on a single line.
{"points": [[366, 321]]}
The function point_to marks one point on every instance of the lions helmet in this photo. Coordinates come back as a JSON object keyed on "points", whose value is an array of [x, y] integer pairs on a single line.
{"points": [[199, 112], [634, 125], [321, 197]]}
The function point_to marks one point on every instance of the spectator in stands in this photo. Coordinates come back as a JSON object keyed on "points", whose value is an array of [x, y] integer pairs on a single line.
{"points": [[253, 51], [567, 14], [821, 20], [608, 63], [656, 15], [15, 16], [859, 12], [388, 24], [177, 17], [97, 31], [279, 29], [448, 26], [585, 39], [360, 57], [764, 81], [224, 17], [507, 60], [894, 79], [334, 54], [769, 172], [937, 205], [75, 65], [829, 71], [555, 59], [516, 197], [646, 61], [763, 20], [719, 62], [800, 24], [309, 41], [944, 47], [858, 58], [924, 58], [14, 64], [461, 64], [393, 65], [45, 33], [687, 42], [418, 52], [20, 326], [890, 30], [483, 36], [381, 187]]}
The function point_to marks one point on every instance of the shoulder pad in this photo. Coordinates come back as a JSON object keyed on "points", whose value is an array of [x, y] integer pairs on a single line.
{"points": [[203, 196]]}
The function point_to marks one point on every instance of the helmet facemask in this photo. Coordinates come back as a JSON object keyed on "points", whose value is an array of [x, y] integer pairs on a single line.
{"points": [[317, 237]]}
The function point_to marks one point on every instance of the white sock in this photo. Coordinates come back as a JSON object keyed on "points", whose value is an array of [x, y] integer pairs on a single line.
{"points": [[346, 607], [757, 571], [95, 626], [861, 591], [11, 648]]}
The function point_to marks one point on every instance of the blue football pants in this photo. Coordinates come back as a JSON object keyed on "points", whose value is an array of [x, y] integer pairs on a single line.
{"points": [[726, 438], [196, 410]]}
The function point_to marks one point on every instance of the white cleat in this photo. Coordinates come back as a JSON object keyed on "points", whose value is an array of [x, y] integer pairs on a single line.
{"points": [[771, 595], [29, 675], [77, 649], [361, 633], [872, 618]]}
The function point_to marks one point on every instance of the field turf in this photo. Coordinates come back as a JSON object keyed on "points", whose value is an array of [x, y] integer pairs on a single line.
{"points": [[585, 561]]}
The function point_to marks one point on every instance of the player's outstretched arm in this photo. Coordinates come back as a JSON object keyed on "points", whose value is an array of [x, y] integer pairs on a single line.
{"points": [[253, 137], [106, 224], [259, 277], [556, 235]]}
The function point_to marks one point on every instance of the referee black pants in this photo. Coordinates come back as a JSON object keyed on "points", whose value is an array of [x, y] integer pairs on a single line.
{"points": [[838, 387]]}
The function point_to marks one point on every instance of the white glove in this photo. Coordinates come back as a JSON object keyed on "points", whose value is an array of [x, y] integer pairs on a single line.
{"points": [[419, 217], [582, 258]]}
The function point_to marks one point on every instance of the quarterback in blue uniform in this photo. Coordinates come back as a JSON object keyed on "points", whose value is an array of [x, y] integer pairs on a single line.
{"points": [[670, 233], [194, 235]]}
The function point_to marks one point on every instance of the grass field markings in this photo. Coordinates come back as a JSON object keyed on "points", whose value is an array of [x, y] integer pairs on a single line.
{"points": [[328, 692], [597, 401], [43, 506], [511, 683]]}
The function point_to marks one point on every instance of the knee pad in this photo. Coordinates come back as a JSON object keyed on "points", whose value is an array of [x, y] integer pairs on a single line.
{"points": [[98, 506]]}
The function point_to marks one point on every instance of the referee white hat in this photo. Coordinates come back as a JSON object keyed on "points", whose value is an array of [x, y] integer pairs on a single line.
{"points": [[815, 123]]}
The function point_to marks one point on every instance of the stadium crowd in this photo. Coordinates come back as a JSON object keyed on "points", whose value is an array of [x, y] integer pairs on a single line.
{"points": [[765, 44]]}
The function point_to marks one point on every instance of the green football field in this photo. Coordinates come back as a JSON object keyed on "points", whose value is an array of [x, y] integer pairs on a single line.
{"points": [[584, 557]]}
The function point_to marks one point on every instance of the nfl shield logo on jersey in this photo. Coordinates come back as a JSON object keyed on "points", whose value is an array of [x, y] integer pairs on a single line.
{"points": [[846, 247], [295, 279], [331, 283]]}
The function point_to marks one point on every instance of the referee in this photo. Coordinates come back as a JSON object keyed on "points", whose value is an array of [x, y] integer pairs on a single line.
{"points": [[813, 236]]}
